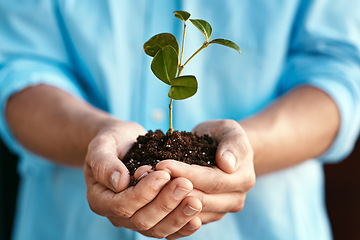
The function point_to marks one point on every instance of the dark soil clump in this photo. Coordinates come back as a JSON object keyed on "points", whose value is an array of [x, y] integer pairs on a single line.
{"points": [[182, 146]]}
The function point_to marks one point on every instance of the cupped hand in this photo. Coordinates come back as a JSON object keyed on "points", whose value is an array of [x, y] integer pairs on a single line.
{"points": [[220, 189], [155, 207]]}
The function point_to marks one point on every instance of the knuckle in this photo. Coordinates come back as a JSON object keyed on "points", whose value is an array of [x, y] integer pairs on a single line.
{"points": [[94, 209], [177, 222], [165, 207], [160, 235], [155, 233], [98, 167], [241, 148], [92, 204], [215, 186], [115, 223], [228, 122], [238, 207], [140, 224], [202, 199], [249, 182], [121, 211], [239, 204], [142, 196], [230, 126]]}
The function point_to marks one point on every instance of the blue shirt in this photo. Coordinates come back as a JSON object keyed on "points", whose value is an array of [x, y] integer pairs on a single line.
{"points": [[93, 49]]}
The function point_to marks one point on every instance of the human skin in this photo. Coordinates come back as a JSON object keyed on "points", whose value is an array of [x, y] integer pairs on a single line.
{"points": [[68, 131], [301, 125], [80, 132]]}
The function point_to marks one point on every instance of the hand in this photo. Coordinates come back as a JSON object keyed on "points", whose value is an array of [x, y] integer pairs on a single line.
{"points": [[155, 207], [221, 189]]}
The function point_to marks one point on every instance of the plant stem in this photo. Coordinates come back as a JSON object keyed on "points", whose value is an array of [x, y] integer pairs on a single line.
{"points": [[171, 129], [182, 49], [205, 44], [180, 68]]}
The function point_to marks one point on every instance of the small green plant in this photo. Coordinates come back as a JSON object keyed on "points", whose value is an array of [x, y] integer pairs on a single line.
{"points": [[167, 63]]}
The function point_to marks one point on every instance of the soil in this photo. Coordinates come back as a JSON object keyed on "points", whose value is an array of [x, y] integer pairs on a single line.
{"points": [[182, 146]]}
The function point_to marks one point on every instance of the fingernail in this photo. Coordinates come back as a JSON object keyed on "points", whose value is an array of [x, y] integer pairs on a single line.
{"points": [[230, 158], [143, 175], [160, 183], [114, 179], [188, 210], [179, 193]]}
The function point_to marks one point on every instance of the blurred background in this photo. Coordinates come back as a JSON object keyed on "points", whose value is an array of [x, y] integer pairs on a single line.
{"points": [[342, 194]]}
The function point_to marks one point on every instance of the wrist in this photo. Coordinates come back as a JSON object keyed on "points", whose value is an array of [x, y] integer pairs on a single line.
{"points": [[256, 141]]}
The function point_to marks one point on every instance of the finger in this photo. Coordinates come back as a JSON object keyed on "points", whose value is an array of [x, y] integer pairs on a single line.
{"points": [[142, 172], [129, 133], [233, 149], [233, 143], [222, 202], [168, 199], [190, 228], [242, 180], [207, 217], [103, 165], [175, 221], [105, 202]]}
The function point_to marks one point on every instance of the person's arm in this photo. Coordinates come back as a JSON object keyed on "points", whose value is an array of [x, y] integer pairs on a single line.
{"points": [[38, 82], [316, 117], [301, 125], [68, 131], [54, 124]]}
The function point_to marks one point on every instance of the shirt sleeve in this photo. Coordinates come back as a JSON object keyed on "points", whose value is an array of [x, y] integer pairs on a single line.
{"points": [[32, 51], [325, 53]]}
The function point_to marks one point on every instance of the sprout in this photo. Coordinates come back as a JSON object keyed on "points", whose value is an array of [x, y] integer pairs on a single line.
{"points": [[167, 64]]}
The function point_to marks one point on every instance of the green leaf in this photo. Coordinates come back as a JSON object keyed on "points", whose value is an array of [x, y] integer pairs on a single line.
{"points": [[227, 43], [165, 63], [203, 26], [183, 87], [159, 41], [182, 15]]}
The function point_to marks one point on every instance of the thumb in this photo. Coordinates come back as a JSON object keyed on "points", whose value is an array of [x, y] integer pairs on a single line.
{"points": [[234, 145], [225, 160], [105, 166], [231, 151]]}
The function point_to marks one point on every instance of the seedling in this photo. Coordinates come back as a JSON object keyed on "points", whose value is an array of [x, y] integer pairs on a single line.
{"points": [[167, 63]]}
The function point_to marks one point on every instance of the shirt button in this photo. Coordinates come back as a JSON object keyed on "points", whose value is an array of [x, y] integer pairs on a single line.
{"points": [[158, 115]]}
